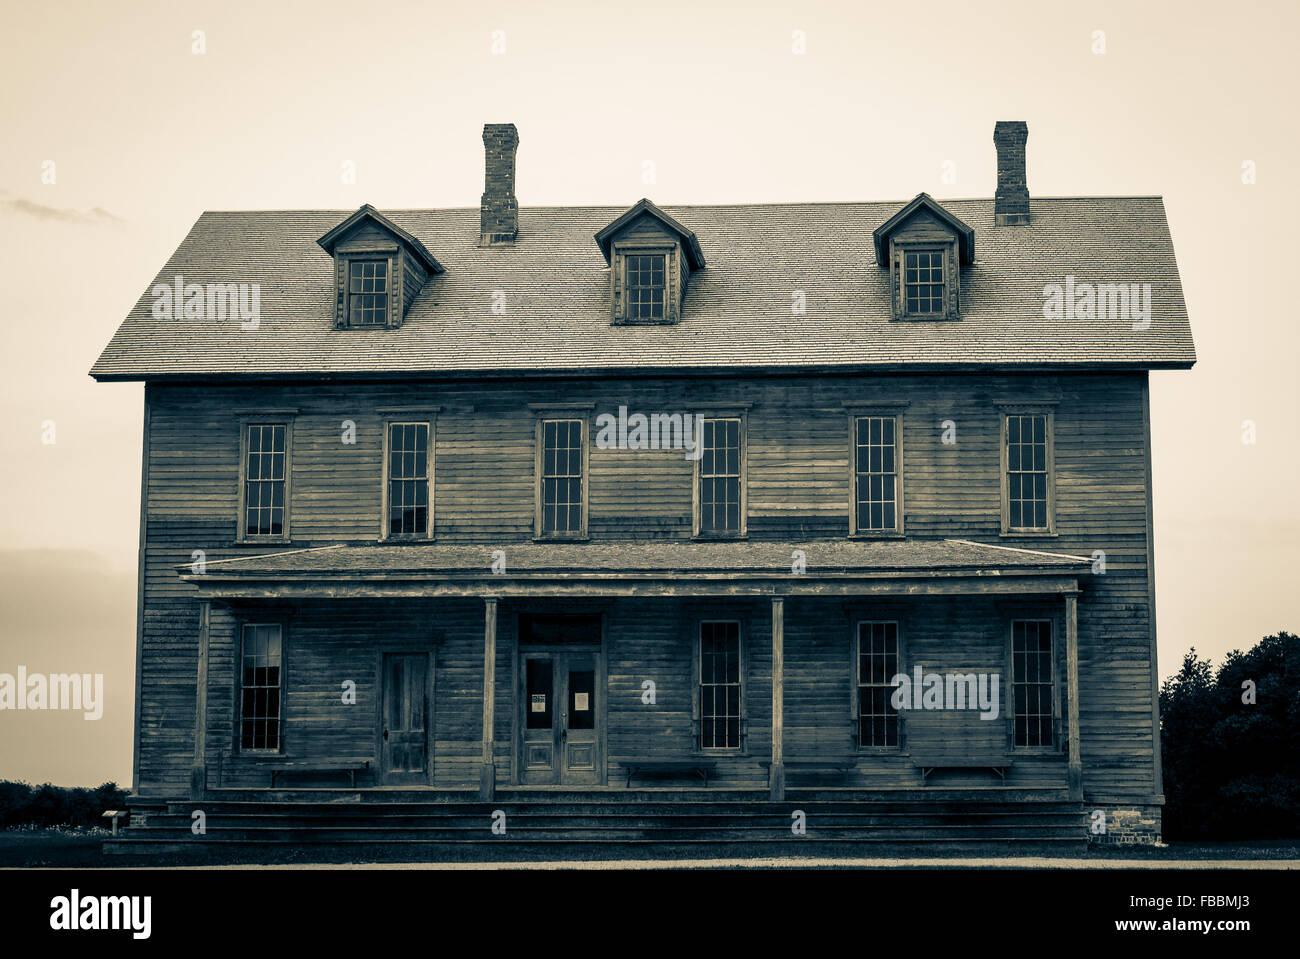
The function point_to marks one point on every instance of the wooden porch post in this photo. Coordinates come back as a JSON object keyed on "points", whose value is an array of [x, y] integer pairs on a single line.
{"points": [[1072, 692], [487, 781], [776, 777], [199, 771]]}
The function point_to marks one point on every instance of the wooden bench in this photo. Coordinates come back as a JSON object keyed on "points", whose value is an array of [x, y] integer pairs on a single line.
{"points": [[824, 766], [668, 767], [929, 762], [281, 766]]}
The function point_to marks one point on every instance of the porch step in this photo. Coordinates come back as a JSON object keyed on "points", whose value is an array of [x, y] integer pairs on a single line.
{"points": [[599, 820]]}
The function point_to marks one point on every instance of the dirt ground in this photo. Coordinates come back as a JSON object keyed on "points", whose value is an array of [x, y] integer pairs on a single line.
{"points": [[63, 849]]}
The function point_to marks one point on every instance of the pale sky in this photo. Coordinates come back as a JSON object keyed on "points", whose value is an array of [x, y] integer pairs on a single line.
{"points": [[145, 134]]}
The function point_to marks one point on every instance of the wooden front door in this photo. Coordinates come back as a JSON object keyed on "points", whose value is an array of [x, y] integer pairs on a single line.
{"points": [[561, 724], [405, 734]]}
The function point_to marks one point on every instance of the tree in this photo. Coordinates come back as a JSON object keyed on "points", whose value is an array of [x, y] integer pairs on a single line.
{"points": [[1230, 744]]}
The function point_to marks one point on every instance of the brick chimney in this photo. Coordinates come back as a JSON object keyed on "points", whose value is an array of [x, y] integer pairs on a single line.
{"points": [[1011, 201], [499, 213]]}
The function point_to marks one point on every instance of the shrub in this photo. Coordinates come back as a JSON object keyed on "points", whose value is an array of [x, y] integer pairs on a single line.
{"points": [[22, 804]]}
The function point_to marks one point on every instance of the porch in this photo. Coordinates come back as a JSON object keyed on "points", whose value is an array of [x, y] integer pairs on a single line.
{"points": [[566, 667]]}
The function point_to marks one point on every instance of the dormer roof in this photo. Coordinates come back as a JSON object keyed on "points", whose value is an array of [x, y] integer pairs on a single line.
{"points": [[923, 201], [643, 207], [369, 213]]}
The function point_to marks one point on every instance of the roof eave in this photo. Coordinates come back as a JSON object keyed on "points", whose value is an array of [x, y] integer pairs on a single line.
{"points": [[613, 371]]}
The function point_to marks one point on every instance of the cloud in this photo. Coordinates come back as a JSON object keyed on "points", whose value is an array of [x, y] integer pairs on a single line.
{"points": [[96, 216]]}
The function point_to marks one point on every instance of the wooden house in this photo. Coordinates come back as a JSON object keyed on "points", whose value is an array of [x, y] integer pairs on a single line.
{"points": [[512, 505]]}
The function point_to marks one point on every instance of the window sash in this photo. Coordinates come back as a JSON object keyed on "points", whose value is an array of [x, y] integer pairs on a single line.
{"points": [[265, 480], [1033, 683], [875, 474], [408, 465], [647, 285], [720, 684], [367, 292], [720, 475], [1025, 439], [562, 477], [260, 686], [878, 659], [924, 284]]}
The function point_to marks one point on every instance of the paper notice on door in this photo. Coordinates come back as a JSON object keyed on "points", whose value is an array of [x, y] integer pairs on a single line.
{"points": [[580, 702], [539, 702]]}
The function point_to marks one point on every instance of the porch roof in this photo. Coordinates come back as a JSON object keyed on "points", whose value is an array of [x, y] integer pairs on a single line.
{"points": [[649, 568]]}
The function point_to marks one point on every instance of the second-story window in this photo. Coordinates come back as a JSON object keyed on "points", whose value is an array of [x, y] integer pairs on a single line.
{"points": [[1027, 449], [923, 282], [368, 292], [647, 285], [265, 480], [408, 481], [720, 493], [875, 474], [561, 478]]}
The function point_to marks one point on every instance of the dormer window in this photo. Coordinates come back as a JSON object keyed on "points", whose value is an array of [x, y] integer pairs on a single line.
{"points": [[651, 258], [924, 247], [379, 268], [368, 292], [923, 284], [647, 285]]}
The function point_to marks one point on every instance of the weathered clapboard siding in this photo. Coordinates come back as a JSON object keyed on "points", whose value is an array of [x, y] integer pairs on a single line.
{"points": [[655, 640], [798, 487]]}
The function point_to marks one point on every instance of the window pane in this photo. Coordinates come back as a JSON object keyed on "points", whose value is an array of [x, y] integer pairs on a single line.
{"points": [[562, 479], [923, 281], [646, 286], [1026, 447], [720, 685], [367, 292], [264, 479], [877, 666], [876, 478], [720, 476], [408, 479], [1032, 682], [260, 687]]}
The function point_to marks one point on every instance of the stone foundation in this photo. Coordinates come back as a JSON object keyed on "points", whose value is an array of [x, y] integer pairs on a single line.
{"points": [[1125, 823]]}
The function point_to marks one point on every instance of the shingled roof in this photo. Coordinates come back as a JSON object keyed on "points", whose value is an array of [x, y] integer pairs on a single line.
{"points": [[737, 313], [436, 561]]}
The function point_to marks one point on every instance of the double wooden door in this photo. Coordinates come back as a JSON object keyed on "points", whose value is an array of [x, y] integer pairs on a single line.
{"points": [[561, 719]]}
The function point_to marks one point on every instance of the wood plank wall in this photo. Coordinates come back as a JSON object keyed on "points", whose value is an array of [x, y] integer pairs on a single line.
{"points": [[798, 491]]}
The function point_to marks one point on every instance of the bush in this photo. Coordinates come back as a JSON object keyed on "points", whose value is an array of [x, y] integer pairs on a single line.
{"points": [[22, 804], [1232, 768]]}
